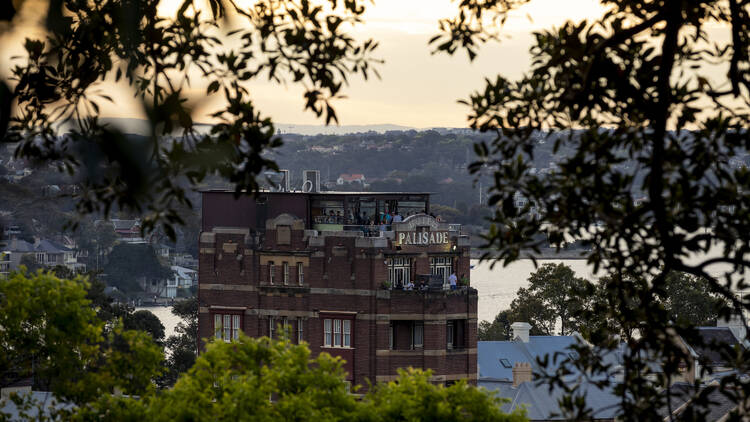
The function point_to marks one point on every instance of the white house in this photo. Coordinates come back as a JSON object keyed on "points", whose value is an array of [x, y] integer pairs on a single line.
{"points": [[183, 278]]}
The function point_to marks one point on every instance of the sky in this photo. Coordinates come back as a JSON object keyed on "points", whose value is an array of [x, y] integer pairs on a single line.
{"points": [[416, 89]]}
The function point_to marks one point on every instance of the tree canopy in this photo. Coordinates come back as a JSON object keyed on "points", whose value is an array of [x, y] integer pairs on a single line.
{"points": [[57, 337], [129, 263], [636, 94], [51, 332]]}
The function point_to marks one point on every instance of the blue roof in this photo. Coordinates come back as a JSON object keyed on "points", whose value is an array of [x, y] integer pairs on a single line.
{"points": [[542, 404], [489, 354]]}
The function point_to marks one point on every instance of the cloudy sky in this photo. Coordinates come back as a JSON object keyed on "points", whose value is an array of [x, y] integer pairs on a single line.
{"points": [[417, 88]]}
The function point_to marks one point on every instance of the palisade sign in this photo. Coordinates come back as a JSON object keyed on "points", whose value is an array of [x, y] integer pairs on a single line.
{"points": [[423, 238]]}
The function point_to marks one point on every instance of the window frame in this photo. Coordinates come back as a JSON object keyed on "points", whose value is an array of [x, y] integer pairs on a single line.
{"points": [[399, 270], [300, 274], [271, 270], [227, 326], [346, 333], [337, 333], [300, 330], [271, 327], [450, 327], [327, 332], [417, 335], [285, 272]]}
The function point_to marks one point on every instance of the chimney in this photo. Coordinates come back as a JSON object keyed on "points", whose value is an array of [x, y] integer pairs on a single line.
{"points": [[521, 373], [520, 331]]}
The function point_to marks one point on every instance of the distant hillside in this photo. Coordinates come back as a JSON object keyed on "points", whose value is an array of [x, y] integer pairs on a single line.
{"points": [[140, 127]]}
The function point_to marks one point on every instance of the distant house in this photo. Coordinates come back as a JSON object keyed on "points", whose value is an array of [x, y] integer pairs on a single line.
{"points": [[128, 230], [4, 263], [162, 250], [44, 252], [181, 281], [350, 178]]}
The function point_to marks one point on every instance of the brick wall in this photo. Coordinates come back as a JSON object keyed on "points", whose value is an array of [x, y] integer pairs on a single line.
{"points": [[338, 277]]}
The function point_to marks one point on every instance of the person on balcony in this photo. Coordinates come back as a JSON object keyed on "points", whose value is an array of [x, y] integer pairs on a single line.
{"points": [[452, 280]]}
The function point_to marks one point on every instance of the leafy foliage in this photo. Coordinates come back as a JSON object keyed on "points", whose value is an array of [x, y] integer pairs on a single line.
{"points": [[183, 347], [231, 381], [498, 329], [158, 58], [632, 94], [51, 332], [127, 263], [414, 398]]}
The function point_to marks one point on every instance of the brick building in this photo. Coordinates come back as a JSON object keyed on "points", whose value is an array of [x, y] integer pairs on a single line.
{"points": [[314, 263]]}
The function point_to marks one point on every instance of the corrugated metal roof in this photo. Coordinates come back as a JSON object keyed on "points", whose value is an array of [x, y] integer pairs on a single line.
{"points": [[542, 404], [489, 354]]}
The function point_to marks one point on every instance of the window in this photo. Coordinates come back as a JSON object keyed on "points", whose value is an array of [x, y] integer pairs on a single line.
{"points": [[286, 273], [327, 332], [227, 326], [300, 331], [390, 335], [347, 333], [442, 266], [52, 258], [505, 363], [235, 327], [454, 334], [417, 335], [271, 269], [336, 333], [271, 327], [285, 324], [40, 258], [399, 271], [300, 274]]}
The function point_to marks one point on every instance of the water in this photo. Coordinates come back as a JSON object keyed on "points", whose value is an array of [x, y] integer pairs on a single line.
{"points": [[165, 315], [497, 287]]}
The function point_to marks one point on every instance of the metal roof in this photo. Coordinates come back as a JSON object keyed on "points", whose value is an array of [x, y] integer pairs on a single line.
{"points": [[265, 192], [489, 353], [541, 403]]}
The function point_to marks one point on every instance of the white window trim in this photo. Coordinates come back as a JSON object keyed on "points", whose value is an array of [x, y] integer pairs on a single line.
{"points": [[346, 329], [336, 333], [300, 274], [285, 266], [271, 269], [327, 332], [271, 327], [300, 330]]}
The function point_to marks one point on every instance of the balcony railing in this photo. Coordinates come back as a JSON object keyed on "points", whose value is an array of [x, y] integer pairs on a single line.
{"points": [[366, 230]]}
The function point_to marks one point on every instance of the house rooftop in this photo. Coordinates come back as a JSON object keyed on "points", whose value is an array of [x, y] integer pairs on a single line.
{"points": [[223, 190], [711, 338]]}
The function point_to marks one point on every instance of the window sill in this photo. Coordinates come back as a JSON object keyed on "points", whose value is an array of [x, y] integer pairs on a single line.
{"points": [[338, 347]]}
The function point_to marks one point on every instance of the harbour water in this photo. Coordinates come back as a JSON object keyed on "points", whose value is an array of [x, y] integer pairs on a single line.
{"points": [[165, 315]]}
